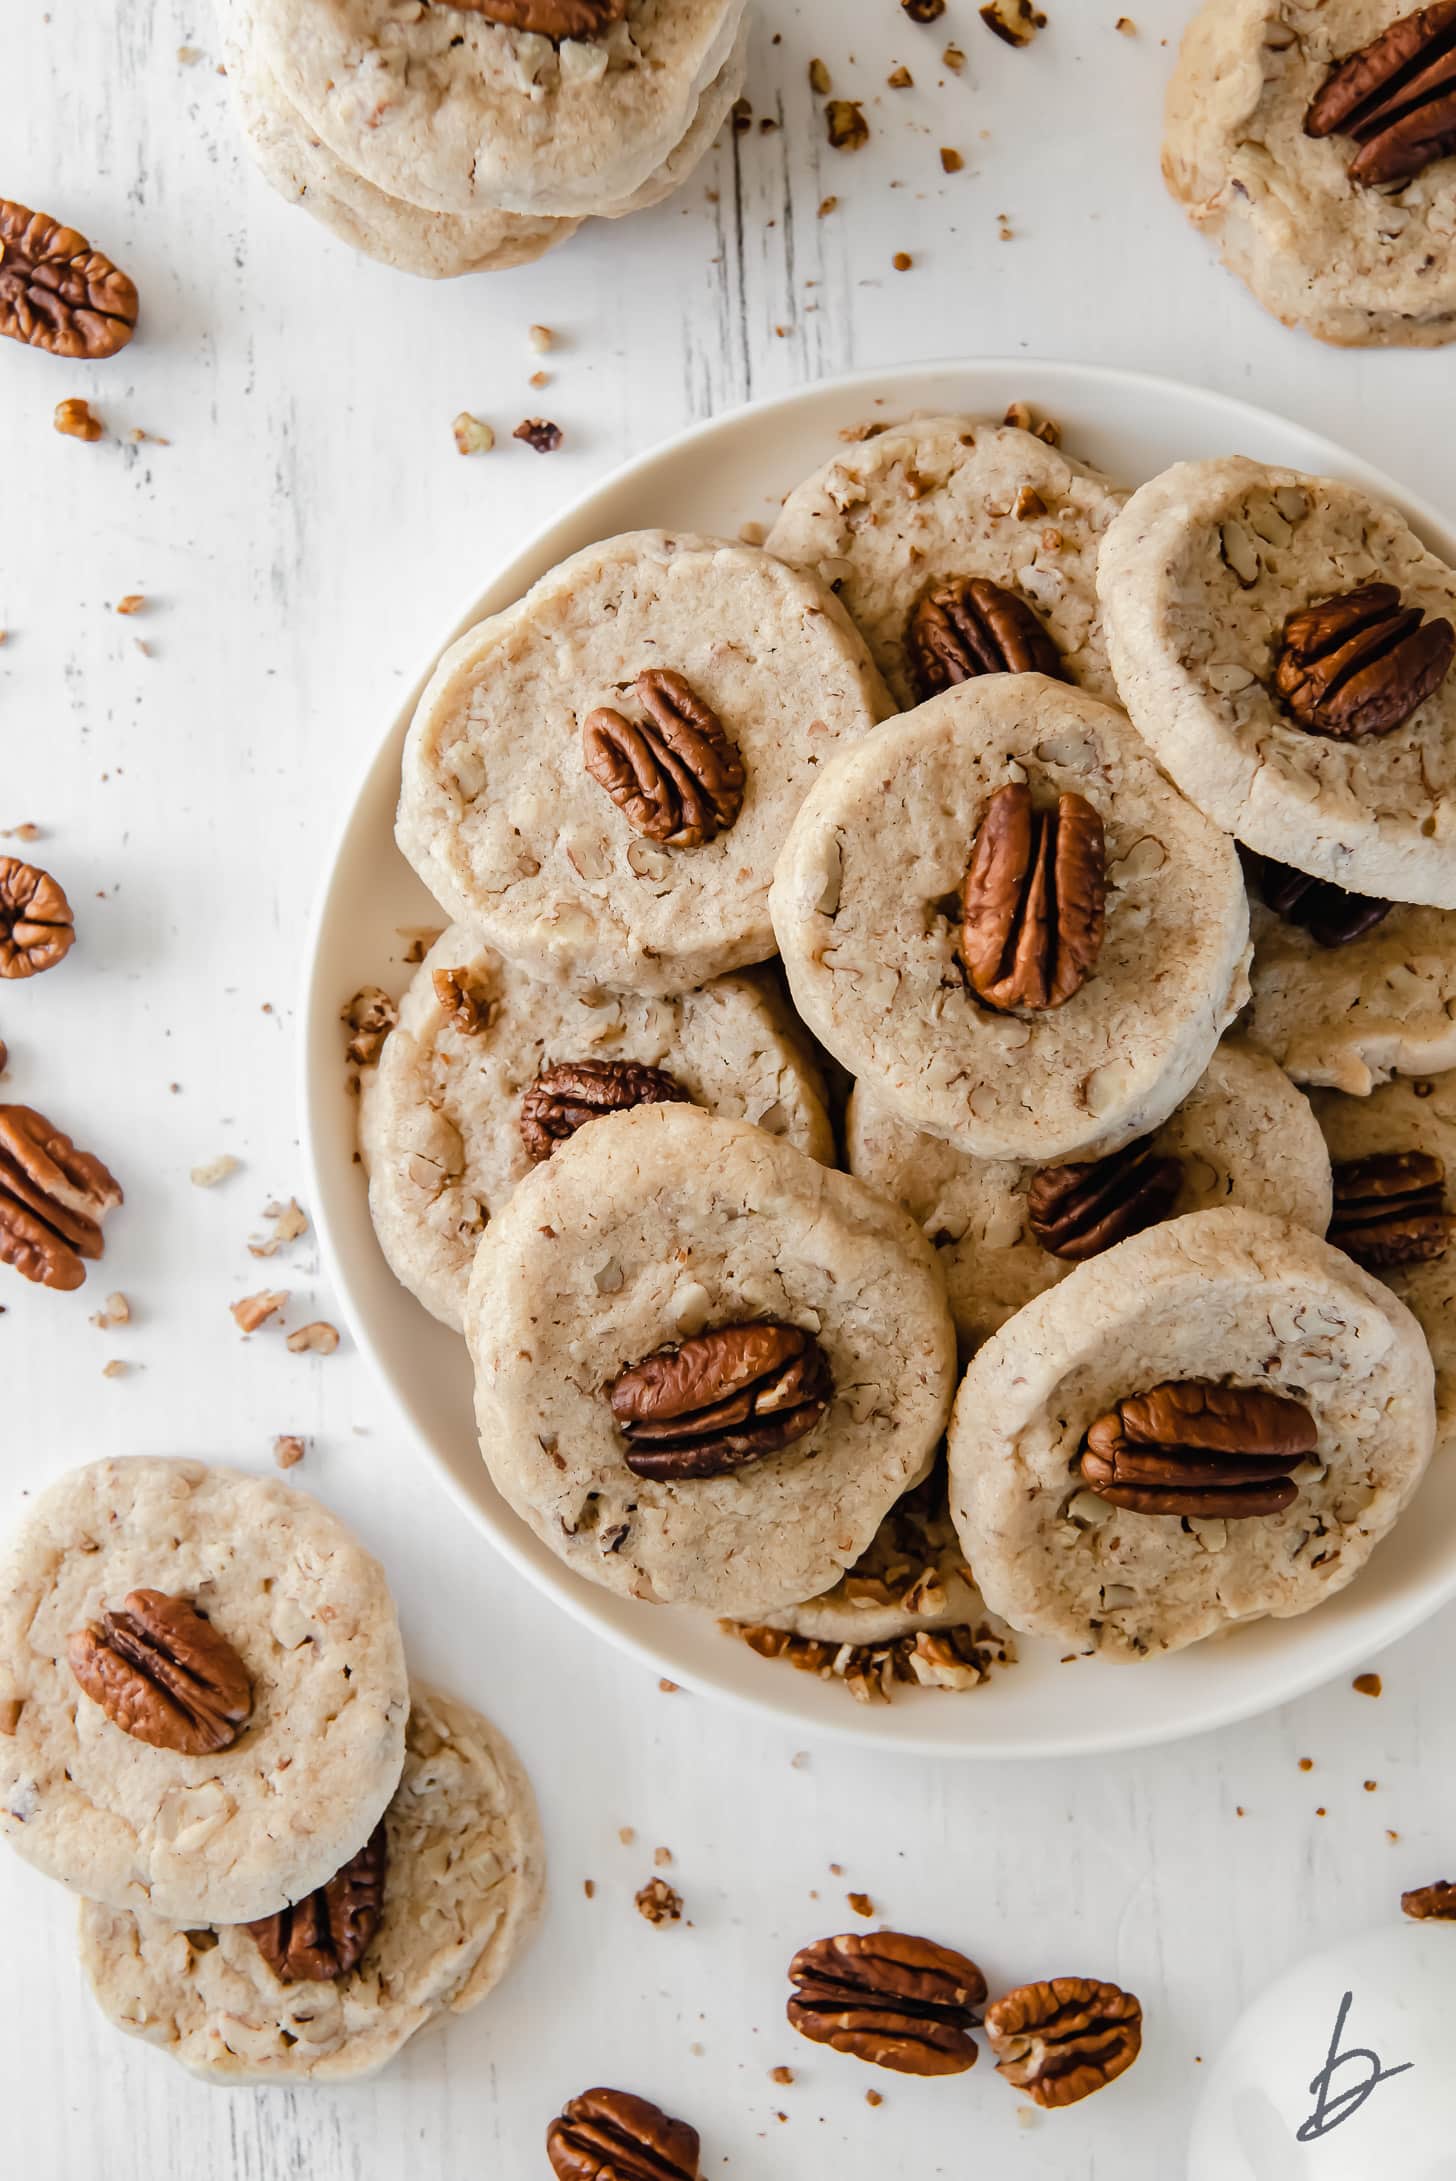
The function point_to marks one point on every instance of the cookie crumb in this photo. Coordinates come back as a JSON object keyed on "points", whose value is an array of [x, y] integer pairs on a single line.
{"points": [[288, 1450], [251, 1311], [289, 1222], [319, 1339], [751, 533], [662, 1857], [132, 603], [540, 433], [659, 1903], [539, 379], [115, 1368], [115, 1311], [1367, 1685], [668, 1688], [472, 434], [626, 1834], [208, 1175], [75, 419], [541, 338], [820, 82]]}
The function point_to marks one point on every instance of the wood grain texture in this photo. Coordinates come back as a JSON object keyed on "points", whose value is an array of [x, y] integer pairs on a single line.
{"points": [[300, 542]]}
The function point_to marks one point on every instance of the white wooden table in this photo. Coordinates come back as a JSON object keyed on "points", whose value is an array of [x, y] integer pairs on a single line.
{"points": [[301, 540]]}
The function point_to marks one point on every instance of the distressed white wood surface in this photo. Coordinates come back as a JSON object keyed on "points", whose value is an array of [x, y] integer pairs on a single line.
{"points": [[301, 541]]}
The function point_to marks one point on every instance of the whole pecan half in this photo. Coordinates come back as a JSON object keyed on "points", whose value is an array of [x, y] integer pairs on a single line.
{"points": [[1332, 917], [608, 2135], [164, 1674], [321, 1939], [1390, 1209], [1034, 904], [1360, 663], [972, 626], [554, 19], [572, 1092], [1078, 1211], [676, 776], [1431, 1904], [53, 1199], [1064, 2038], [56, 292], [720, 1400], [1396, 97], [885, 1997], [1188, 1447], [36, 924]]}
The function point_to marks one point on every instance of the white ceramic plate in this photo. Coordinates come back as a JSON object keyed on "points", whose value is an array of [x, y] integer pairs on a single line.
{"points": [[713, 479]]}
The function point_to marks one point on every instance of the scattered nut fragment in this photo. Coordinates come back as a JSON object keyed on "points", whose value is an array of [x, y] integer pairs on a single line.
{"points": [[288, 1450], [820, 82], [900, 79], [539, 433], [56, 292], [1126, 25], [251, 1311], [1015, 22], [468, 1006], [826, 206], [213, 1171], [132, 603], [289, 1222], [369, 1016], [75, 419], [541, 338], [783, 2075], [846, 123], [659, 1903], [115, 1368], [902, 261], [319, 1339], [472, 434], [1022, 416], [37, 928], [923, 11], [954, 58], [860, 1903], [1432, 1904], [662, 1857], [1367, 1684], [950, 159], [116, 1310]]}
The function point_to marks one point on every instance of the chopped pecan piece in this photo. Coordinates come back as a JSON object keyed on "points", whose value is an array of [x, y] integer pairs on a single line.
{"points": [[369, 1017], [468, 1006], [608, 2135], [1332, 917], [1080, 1210], [720, 1400], [1034, 903], [53, 1199], [162, 1673], [540, 433], [1062, 2039], [323, 1938], [676, 776], [554, 19], [973, 626], [1189, 1447], [885, 1997], [659, 1903], [36, 925], [1390, 1209], [924, 11], [1396, 97], [1431, 1904], [565, 1096], [1360, 663], [844, 119], [56, 292]]}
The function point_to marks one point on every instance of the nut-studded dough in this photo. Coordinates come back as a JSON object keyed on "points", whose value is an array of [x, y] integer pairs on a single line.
{"points": [[1245, 1135], [1197, 576], [866, 905], [1355, 265], [225, 1838], [514, 837], [1223, 1295], [439, 1120], [660, 1223], [1351, 1017], [943, 497], [463, 1889]]}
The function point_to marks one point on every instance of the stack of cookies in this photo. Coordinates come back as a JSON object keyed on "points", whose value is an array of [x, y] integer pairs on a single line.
{"points": [[475, 135], [289, 1858], [1087, 829]]}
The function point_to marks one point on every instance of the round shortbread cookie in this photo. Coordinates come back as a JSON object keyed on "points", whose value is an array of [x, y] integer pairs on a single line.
{"points": [[516, 839], [1244, 1135], [1198, 576], [444, 107], [1352, 1016], [1409, 1116], [866, 906], [943, 498], [1227, 1296], [440, 1117], [1354, 264], [652, 1228], [220, 1838], [463, 1887]]}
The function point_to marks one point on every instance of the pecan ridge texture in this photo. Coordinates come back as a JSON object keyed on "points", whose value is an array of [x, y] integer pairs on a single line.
{"points": [[323, 1938], [1065, 2037], [164, 1674], [53, 1199], [1079, 1210], [608, 2135], [1331, 916], [1390, 1209], [1190, 1447], [56, 292], [36, 924], [1360, 663], [972, 626], [1033, 909], [1395, 96], [570, 1093], [554, 19], [710, 1405], [888, 1998], [676, 775]]}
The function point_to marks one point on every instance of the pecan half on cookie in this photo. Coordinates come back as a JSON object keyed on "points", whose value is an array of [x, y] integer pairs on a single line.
{"points": [[323, 1938], [554, 19], [1331, 916], [676, 775], [1061, 2039], [883, 1996], [972, 626], [36, 925], [727, 1397], [56, 292], [1078, 1211], [1189, 1447], [164, 1674], [1395, 96], [53, 1199], [1390, 1209], [1034, 903], [608, 2135], [564, 1097], [1360, 663]]}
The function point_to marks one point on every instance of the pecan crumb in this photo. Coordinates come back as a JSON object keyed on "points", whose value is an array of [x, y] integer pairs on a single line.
{"points": [[288, 1450], [820, 82], [846, 123], [132, 603], [1015, 22], [1023, 417], [467, 1007], [539, 433], [1431, 1904], [668, 1688], [289, 1222], [538, 379], [589, 1888], [662, 1857], [472, 434], [826, 206], [900, 79], [75, 419], [115, 1368], [1029, 504], [541, 338], [902, 261], [784, 2075], [251, 1311], [370, 1015], [1126, 25], [115, 1311], [860, 1903], [626, 1834], [954, 58], [950, 159], [924, 11], [658, 1902], [1367, 1684], [26, 832], [320, 1339], [213, 1171]]}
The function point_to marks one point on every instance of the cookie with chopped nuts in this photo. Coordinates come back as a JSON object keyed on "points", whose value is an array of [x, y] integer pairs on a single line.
{"points": [[1004, 1231], [1218, 1420], [202, 1690], [1285, 646], [706, 1365], [647, 719], [452, 1899], [1004, 920], [489, 1070], [1314, 143], [897, 521]]}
